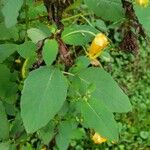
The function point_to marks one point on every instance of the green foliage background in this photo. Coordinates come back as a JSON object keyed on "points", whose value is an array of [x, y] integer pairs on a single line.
{"points": [[23, 23]]}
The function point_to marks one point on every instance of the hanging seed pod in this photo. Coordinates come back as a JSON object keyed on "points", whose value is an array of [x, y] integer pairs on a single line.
{"points": [[133, 19], [129, 42], [55, 10]]}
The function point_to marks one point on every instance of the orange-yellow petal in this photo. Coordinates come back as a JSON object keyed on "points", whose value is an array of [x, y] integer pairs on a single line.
{"points": [[143, 3], [98, 44], [98, 139]]}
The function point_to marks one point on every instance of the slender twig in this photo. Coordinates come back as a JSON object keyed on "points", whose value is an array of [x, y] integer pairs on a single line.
{"points": [[68, 73]]}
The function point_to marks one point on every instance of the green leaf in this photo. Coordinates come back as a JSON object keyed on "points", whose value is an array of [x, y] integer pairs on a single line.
{"points": [[47, 133], [4, 125], [10, 91], [106, 89], [27, 146], [100, 24], [143, 14], [43, 95], [36, 10], [11, 33], [37, 35], [10, 109], [6, 50], [78, 134], [27, 49], [64, 109], [7, 88], [5, 146], [17, 128], [106, 9], [50, 51], [80, 63], [66, 129], [79, 34], [144, 135], [11, 12], [4, 73], [97, 116], [12, 147], [105, 56]]}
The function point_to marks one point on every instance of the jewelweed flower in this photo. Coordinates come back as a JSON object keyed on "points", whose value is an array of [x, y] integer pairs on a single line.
{"points": [[143, 3], [98, 139], [99, 43]]}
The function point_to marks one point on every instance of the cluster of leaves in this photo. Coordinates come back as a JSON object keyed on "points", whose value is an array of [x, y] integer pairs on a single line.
{"points": [[135, 126], [53, 104]]}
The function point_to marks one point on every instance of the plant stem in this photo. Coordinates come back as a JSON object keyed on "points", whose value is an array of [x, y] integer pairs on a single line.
{"points": [[26, 19]]}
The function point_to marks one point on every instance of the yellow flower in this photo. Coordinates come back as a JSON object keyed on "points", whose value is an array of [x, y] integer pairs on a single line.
{"points": [[98, 139], [143, 3], [99, 43]]}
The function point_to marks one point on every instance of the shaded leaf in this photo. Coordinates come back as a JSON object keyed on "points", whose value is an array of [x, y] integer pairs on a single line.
{"points": [[11, 12], [106, 9], [36, 34], [4, 146], [4, 124], [64, 136], [47, 133], [7, 88], [11, 33], [6, 50], [27, 49]]}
